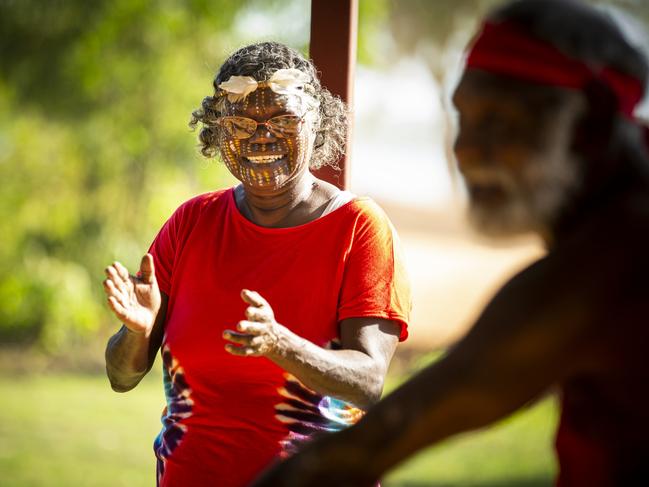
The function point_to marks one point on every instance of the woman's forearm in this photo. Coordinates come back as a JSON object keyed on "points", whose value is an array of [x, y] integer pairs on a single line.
{"points": [[127, 359], [354, 374], [140, 305], [350, 375], [130, 355]]}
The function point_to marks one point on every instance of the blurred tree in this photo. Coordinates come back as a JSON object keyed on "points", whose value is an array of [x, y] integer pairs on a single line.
{"points": [[95, 151], [437, 29], [94, 146]]}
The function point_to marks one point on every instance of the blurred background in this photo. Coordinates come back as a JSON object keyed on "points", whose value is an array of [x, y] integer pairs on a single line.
{"points": [[95, 154]]}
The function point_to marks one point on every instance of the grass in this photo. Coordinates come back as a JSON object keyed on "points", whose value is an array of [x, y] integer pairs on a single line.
{"points": [[516, 452], [72, 430], [68, 430]]}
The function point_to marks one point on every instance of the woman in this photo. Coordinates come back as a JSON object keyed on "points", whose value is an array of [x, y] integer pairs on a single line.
{"points": [[309, 277]]}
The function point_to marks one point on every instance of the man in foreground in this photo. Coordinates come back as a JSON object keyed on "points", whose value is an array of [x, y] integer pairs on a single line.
{"points": [[547, 143]]}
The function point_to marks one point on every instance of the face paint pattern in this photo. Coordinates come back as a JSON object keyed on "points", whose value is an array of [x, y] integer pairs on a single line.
{"points": [[265, 160]]}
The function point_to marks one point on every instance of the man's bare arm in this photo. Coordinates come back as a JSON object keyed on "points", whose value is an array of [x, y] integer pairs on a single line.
{"points": [[531, 335]]}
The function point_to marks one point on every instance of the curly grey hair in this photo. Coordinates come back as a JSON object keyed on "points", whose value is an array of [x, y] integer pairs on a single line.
{"points": [[260, 61]]}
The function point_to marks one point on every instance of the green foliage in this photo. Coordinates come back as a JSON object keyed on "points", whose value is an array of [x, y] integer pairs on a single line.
{"points": [[420, 21], [95, 151], [433, 30], [373, 37]]}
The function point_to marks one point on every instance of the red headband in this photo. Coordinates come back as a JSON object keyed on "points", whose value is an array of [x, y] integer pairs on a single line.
{"points": [[505, 48]]}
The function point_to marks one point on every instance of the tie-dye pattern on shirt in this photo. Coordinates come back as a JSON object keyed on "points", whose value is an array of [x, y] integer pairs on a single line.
{"points": [[305, 412], [179, 407]]}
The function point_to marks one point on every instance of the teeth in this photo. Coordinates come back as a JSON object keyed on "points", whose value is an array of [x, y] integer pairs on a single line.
{"points": [[263, 159]]}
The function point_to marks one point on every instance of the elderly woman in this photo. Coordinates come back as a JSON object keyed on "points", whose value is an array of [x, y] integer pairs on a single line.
{"points": [[303, 282]]}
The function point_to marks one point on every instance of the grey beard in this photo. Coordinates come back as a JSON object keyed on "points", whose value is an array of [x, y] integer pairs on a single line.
{"points": [[533, 204], [546, 186], [510, 219]]}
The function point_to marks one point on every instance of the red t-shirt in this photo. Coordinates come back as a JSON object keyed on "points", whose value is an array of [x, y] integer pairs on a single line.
{"points": [[228, 417]]}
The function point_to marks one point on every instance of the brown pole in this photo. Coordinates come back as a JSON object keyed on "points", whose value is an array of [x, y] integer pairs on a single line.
{"points": [[334, 32]]}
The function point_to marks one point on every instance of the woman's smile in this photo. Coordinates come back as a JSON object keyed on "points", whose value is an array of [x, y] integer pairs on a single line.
{"points": [[263, 159]]}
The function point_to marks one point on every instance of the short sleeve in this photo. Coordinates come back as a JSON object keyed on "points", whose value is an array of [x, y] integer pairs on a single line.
{"points": [[163, 250], [167, 244], [375, 281]]}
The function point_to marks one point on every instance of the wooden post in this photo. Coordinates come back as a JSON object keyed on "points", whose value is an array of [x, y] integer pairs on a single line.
{"points": [[334, 32]]}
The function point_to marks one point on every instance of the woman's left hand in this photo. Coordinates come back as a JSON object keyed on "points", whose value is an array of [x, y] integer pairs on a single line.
{"points": [[259, 334]]}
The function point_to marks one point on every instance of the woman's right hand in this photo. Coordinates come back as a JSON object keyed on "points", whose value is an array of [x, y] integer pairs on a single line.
{"points": [[135, 300]]}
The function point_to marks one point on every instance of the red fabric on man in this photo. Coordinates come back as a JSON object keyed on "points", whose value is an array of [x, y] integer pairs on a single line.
{"points": [[507, 49]]}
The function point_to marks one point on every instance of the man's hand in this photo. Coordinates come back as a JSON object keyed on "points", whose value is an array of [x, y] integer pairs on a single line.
{"points": [[259, 334], [135, 300]]}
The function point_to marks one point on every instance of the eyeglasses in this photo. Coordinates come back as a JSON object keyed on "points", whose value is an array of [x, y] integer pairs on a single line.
{"points": [[243, 128]]}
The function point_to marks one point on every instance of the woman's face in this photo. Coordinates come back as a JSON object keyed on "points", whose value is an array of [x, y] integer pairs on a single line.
{"points": [[275, 153]]}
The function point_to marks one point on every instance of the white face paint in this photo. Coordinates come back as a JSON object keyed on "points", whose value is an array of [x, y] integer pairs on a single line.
{"points": [[267, 159]]}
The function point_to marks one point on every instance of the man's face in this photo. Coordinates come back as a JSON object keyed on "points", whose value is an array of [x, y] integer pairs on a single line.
{"points": [[271, 155], [514, 151]]}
